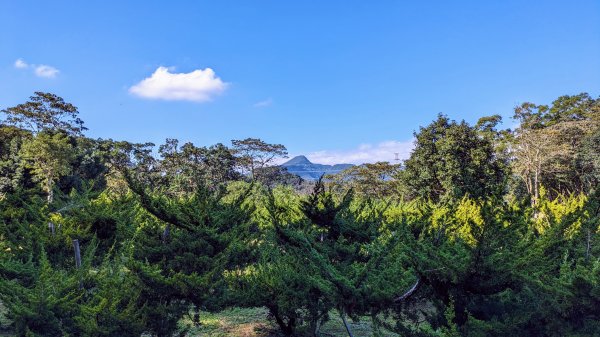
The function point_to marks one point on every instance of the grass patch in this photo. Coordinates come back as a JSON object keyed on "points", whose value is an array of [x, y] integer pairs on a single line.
{"points": [[254, 322], [248, 322], [235, 322]]}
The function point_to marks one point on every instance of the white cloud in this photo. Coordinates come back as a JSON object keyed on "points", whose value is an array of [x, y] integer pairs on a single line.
{"points": [[46, 71], [263, 104], [21, 64], [197, 86], [365, 153], [40, 70]]}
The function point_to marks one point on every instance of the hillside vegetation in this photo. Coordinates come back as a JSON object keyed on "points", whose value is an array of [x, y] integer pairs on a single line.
{"points": [[481, 232]]}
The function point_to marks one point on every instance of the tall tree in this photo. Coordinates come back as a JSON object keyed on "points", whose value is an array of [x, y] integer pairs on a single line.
{"points": [[547, 145], [186, 167], [184, 265], [532, 149], [451, 159], [49, 157], [45, 111], [373, 180], [254, 154]]}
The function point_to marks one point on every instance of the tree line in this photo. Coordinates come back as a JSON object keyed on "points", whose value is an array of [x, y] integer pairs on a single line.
{"points": [[481, 232]]}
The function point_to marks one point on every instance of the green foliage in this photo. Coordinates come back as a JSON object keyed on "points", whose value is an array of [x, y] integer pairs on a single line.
{"points": [[49, 157], [377, 180], [553, 145], [43, 112], [184, 169], [443, 246], [45, 304], [451, 160], [255, 155], [187, 251], [12, 175], [330, 257]]}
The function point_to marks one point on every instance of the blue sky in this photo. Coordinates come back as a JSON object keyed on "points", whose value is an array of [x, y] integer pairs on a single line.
{"points": [[335, 80]]}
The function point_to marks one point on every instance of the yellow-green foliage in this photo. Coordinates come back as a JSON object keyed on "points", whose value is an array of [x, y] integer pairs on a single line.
{"points": [[551, 212], [406, 211], [468, 221], [461, 221]]}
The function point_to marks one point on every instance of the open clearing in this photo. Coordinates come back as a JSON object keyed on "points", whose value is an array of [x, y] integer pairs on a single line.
{"points": [[254, 322]]}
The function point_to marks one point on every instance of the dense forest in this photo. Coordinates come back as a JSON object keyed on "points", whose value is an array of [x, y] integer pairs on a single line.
{"points": [[483, 231]]}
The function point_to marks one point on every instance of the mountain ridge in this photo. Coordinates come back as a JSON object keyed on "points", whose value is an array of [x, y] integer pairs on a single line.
{"points": [[303, 167]]}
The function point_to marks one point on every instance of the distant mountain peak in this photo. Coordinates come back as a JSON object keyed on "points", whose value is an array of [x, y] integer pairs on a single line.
{"points": [[298, 160], [301, 166]]}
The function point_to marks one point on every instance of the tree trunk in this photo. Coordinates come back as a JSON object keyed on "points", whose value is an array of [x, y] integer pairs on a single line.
{"points": [[286, 328], [460, 312], [166, 233], [346, 323], [313, 327], [409, 292], [589, 240], [196, 318], [536, 188], [77, 253], [77, 259], [313, 324], [50, 189]]}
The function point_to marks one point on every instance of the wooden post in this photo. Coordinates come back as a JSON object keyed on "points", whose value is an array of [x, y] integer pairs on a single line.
{"points": [[77, 253]]}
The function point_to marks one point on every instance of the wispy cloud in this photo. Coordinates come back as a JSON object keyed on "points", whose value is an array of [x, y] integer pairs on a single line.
{"points": [[21, 64], [46, 71], [263, 104], [200, 85], [365, 153], [40, 70]]}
